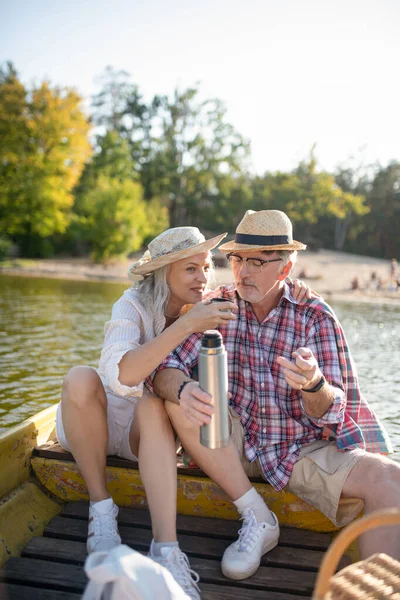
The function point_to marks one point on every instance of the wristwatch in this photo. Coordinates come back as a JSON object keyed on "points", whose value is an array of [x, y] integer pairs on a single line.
{"points": [[316, 387]]}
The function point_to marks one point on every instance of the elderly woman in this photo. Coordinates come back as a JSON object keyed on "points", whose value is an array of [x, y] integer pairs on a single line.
{"points": [[109, 412]]}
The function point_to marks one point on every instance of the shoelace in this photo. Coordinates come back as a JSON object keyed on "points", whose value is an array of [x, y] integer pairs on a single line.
{"points": [[104, 524], [184, 575], [249, 533]]}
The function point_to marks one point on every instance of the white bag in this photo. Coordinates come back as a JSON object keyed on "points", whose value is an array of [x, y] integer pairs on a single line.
{"points": [[124, 574]]}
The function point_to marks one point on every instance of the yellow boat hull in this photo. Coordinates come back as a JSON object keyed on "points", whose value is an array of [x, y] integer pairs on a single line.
{"points": [[33, 490]]}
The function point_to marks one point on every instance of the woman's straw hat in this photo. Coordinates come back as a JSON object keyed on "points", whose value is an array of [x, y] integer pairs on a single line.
{"points": [[172, 245], [263, 230]]}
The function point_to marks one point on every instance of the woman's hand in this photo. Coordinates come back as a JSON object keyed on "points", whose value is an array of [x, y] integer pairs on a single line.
{"points": [[208, 315], [302, 291]]}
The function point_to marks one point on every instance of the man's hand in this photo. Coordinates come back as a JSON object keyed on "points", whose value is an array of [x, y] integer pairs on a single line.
{"points": [[304, 372], [196, 404]]}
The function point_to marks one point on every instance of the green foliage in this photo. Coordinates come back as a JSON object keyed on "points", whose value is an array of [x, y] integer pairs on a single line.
{"points": [[115, 217], [5, 247], [44, 145], [172, 161], [377, 232], [195, 148]]}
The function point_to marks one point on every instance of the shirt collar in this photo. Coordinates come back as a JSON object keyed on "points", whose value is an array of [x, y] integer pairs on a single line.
{"points": [[287, 294]]}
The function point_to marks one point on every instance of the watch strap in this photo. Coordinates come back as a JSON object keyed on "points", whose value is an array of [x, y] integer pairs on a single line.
{"points": [[316, 387]]}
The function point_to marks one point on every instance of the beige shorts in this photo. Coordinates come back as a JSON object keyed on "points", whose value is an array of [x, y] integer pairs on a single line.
{"points": [[120, 413], [318, 476]]}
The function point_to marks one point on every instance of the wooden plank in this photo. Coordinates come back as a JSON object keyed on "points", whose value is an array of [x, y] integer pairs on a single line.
{"points": [[21, 592], [34, 572], [73, 549], [207, 527], [56, 452], [210, 591], [67, 577], [266, 578]]}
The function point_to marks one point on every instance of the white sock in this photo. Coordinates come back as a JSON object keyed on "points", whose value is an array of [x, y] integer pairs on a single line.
{"points": [[103, 506], [253, 500], [157, 547]]}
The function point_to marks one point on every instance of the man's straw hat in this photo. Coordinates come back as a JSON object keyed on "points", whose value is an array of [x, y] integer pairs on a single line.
{"points": [[263, 230], [172, 245]]}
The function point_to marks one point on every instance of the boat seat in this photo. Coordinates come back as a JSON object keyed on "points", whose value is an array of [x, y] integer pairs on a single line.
{"points": [[57, 471]]}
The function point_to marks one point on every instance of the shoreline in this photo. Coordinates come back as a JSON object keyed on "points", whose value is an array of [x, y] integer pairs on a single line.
{"points": [[330, 273]]}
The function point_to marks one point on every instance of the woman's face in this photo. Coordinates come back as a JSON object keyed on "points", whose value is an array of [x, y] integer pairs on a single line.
{"points": [[187, 278]]}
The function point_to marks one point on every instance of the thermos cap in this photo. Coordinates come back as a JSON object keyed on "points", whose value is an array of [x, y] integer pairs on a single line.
{"points": [[211, 339]]}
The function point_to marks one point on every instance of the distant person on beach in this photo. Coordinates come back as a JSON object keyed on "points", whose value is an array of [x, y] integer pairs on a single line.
{"points": [[298, 418], [394, 275], [108, 412]]}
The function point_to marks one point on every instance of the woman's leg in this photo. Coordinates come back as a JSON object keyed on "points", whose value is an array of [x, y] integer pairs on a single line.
{"points": [[152, 440], [84, 416]]}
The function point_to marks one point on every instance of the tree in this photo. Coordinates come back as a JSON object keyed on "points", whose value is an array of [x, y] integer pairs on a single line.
{"points": [[310, 197], [382, 225], [119, 108], [195, 148], [43, 149], [110, 215], [114, 217]]}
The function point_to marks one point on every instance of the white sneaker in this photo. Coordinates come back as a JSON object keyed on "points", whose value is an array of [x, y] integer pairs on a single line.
{"points": [[103, 532], [178, 565], [242, 558]]}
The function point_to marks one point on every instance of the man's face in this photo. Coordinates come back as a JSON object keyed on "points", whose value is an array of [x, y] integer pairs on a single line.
{"points": [[253, 286]]}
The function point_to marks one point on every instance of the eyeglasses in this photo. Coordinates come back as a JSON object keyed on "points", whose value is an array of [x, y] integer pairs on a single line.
{"points": [[255, 265]]}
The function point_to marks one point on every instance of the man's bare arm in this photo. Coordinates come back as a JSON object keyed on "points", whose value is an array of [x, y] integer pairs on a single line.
{"points": [[195, 403], [305, 373], [167, 382], [316, 404]]}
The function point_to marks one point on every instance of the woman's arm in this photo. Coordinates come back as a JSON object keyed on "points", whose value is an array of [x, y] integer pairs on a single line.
{"points": [[140, 362]]}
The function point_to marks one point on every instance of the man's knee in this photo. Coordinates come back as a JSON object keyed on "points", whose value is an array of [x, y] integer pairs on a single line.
{"points": [[373, 478], [81, 385]]}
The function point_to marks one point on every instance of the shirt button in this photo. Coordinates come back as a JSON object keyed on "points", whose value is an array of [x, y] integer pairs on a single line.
{"points": [[265, 430], [262, 385], [262, 359], [263, 410]]}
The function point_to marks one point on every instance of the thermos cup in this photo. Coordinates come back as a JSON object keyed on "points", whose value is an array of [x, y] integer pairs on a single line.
{"points": [[213, 378]]}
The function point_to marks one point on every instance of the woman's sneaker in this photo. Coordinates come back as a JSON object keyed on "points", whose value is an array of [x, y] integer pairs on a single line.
{"points": [[242, 558], [103, 532], [178, 565]]}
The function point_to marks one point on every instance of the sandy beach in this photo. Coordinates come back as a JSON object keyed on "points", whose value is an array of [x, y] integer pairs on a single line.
{"points": [[329, 273]]}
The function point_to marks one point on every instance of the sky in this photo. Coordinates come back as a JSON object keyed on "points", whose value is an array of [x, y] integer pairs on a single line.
{"points": [[292, 73]]}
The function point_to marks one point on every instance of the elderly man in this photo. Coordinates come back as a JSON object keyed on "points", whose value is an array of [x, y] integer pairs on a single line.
{"points": [[297, 415]]}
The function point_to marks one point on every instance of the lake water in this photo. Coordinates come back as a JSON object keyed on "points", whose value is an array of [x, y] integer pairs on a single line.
{"points": [[49, 325]]}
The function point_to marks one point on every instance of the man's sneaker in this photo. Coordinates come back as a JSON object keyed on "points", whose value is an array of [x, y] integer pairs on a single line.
{"points": [[242, 558], [177, 564], [103, 532]]}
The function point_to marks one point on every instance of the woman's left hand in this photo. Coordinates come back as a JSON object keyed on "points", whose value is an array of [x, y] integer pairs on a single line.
{"points": [[302, 291]]}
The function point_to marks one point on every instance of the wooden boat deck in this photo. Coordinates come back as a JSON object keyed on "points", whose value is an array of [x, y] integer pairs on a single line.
{"points": [[50, 567]]}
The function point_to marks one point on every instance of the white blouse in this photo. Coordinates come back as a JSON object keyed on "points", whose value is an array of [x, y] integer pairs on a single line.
{"points": [[131, 325]]}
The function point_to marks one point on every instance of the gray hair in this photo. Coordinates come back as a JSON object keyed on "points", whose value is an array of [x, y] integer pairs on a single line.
{"points": [[154, 288], [285, 255]]}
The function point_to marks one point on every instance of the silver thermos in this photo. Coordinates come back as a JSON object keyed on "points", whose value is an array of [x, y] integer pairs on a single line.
{"points": [[213, 378]]}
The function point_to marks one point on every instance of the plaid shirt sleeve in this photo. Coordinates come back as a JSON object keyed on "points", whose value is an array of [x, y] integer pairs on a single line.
{"points": [[184, 358], [321, 340]]}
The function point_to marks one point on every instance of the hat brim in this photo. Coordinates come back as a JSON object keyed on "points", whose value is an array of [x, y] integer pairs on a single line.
{"points": [[161, 261], [234, 247]]}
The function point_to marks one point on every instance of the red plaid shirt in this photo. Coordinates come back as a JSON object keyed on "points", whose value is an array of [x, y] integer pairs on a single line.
{"points": [[275, 424]]}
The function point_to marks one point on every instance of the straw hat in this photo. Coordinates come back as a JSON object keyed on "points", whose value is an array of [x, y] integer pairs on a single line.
{"points": [[172, 245], [263, 230]]}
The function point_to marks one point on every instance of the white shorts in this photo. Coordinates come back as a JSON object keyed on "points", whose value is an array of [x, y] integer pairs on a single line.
{"points": [[120, 413]]}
